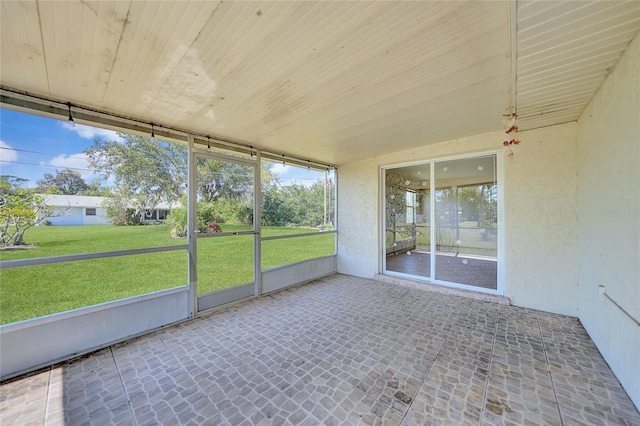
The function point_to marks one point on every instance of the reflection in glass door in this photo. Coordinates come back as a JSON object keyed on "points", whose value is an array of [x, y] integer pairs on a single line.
{"points": [[407, 217], [463, 232], [225, 229]]}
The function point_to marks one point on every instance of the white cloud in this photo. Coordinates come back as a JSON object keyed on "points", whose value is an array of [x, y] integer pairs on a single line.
{"points": [[7, 154], [278, 169], [290, 175], [88, 132], [76, 162]]}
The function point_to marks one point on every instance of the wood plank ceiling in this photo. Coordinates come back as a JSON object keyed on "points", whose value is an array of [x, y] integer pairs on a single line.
{"points": [[329, 81], [565, 51]]}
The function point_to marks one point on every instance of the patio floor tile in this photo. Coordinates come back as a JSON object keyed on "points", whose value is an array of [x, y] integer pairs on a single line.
{"points": [[338, 351]]}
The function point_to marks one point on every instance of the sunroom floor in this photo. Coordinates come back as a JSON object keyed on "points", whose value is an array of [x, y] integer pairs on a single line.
{"points": [[340, 350]]}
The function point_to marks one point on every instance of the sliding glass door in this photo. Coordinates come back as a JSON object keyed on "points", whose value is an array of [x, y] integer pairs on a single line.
{"points": [[457, 245]]}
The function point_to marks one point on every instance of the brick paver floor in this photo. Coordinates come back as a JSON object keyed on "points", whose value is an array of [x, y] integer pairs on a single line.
{"points": [[340, 350]]}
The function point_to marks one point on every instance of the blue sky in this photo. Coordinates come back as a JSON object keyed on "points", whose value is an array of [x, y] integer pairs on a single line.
{"points": [[31, 146]]}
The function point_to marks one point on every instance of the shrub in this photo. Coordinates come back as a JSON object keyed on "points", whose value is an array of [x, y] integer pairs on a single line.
{"points": [[177, 220]]}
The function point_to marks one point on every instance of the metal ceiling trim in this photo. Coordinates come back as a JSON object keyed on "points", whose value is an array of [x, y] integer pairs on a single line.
{"points": [[513, 53]]}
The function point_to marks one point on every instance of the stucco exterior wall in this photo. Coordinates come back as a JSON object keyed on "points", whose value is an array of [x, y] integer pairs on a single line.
{"points": [[609, 218], [74, 216], [540, 186], [101, 218], [67, 216], [541, 221]]}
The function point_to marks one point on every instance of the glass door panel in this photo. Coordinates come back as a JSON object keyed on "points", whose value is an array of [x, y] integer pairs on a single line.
{"points": [[407, 220], [466, 231], [225, 229]]}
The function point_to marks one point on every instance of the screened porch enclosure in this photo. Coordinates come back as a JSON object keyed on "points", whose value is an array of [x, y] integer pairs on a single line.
{"points": [[223, 243], [525, 113]]}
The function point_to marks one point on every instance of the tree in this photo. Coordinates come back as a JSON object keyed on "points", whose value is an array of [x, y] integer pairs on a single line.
{"points": [[20, 209], [275, 210], [305, 203], [222, 180], [67, 182], [120, 212], [145, 171], [96, 189]]}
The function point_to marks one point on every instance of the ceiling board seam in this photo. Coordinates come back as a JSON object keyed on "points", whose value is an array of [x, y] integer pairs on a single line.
{"points": [[595, 36], [544, 126], [411, 88], [575, 9], [381, 95], [609, 72], [545, 108], [115, 56], [408, 112], [44, 55], [540, 70], [324, 58], [588, 80], [132, 73], [513, 56], [255, 59], [163, 79], [319, 58]]}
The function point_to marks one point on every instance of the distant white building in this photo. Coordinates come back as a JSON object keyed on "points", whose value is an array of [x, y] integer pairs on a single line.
{"points": [[86, 210]]}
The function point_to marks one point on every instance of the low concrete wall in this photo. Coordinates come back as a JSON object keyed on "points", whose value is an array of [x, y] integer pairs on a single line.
{"points": [[32, 344], [281, 277]]}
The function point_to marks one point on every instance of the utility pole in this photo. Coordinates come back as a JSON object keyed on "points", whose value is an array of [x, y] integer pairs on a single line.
{"points": [[325, 199]]}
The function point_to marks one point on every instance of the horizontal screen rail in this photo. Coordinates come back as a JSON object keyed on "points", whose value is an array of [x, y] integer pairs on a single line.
{"points": [[8, 264], [224, 234], [306, 234]]}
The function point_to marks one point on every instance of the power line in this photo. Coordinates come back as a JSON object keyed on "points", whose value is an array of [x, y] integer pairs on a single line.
{"points": [[26, 150], [51, 166]]}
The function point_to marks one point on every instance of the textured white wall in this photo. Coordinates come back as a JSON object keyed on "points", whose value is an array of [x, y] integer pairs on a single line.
{"points": [[358, 218], [542, 230], [101, 217], [74, 216], [70, 216], [609, 218], [540, 198]]}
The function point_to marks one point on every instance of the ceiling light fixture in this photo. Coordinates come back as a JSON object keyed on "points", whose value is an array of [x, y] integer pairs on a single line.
{"points": [[153, 134], [283, 163], [251, 151], [208, 143]]}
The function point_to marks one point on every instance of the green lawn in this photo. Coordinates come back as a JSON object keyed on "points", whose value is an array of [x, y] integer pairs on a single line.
{"points": [[34, 291]]}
